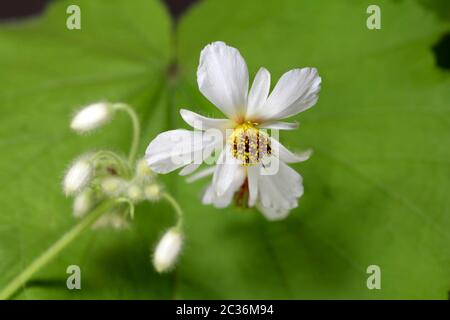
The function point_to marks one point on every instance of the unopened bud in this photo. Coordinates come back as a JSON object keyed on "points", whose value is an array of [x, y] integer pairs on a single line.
{"points": [[143, 170], [134, 193], [118, 222], [111, 220], [152, 192], [92, 117], [168, 250], [83, 203], [77, 177], [112, 186]]}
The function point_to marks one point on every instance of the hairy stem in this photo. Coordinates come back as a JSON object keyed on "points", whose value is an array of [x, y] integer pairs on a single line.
{"points": [[176, 207], [55, 249], [136, 130]]}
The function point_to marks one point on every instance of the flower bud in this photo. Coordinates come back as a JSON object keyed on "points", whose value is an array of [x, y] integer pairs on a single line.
{"points": [[168, 250], [111, 220], [83, 203], [152, 192], [77, 177], [143, 170], [134, 193], [92, 117], [112, 186]]}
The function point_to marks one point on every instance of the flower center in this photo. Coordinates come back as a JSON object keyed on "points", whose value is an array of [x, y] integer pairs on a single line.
{"points": [[249, 144]]}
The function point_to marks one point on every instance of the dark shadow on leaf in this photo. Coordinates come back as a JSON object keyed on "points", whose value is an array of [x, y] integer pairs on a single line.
{"points": [[57, 283], [52, 283], [441, 51]]}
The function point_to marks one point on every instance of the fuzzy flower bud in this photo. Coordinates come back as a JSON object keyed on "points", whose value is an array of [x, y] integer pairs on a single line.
{"points": [[152, 192], [82, 203], [111, 220], [143, 170], [92, 117], [77, 177], [168, 250], [134, 193], [112, 186]]}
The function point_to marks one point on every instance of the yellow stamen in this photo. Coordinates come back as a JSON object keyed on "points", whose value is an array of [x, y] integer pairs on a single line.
{"points": [[249, 144]]}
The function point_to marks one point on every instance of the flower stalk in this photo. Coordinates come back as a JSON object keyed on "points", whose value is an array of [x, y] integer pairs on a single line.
{"points": [[136, 129], [106, 187], [176, 207]]}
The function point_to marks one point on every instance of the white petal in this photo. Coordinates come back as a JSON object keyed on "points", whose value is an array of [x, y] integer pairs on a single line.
{"points": [[174, 149], [208, 195], [222, 77], [253, 174], [273, 214], [189, 169], [258, 92], [203, 123], [287, 156], [226, 169], [296, 91], [281, 190], [201, 174], [211, 197], [269, 195], [279, 125]]}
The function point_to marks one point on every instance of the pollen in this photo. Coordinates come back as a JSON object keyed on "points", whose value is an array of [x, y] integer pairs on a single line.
{"points": [[249, 144]]}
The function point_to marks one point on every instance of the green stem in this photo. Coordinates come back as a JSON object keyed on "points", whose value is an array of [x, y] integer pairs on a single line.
{"points": [[177, 208], [55, 249], [130, 205], [136, 130]]}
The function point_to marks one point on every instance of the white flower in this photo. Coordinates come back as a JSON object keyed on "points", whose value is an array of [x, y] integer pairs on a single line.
{"points": [[251, 163], [168, 250], [92, 117], [77, 177]]}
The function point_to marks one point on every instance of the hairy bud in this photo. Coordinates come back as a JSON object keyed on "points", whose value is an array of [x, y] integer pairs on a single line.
{"points": [[92, 117], [82, 203], [168, 250], [77, 177]]}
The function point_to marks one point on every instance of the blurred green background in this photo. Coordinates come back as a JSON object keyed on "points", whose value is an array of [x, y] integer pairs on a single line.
{"points": [[376, 189]]}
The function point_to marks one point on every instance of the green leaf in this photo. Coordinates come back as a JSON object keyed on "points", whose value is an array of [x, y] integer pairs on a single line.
{"points": [[440, 7], [376, 187]]}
